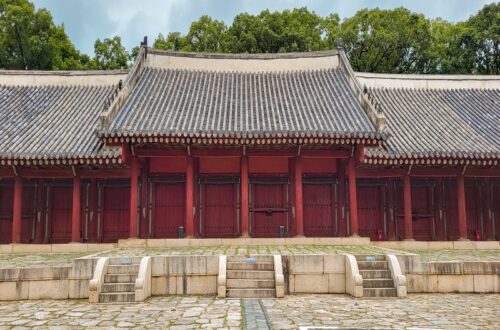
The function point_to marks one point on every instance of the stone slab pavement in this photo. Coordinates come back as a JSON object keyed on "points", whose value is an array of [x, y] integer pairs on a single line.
{"points": [[418, 311]]}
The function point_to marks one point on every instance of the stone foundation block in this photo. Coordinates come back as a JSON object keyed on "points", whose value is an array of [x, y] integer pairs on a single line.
{"points": [[96, 247], [131, 242], [421, 283], [306, 264], [31, 248], [53, 273], [455, 283], [487, 283], [440, 245], [196, 265], [311, 283], [336, 283], [78, 289], [414, 245], [158, 266], [83, 268], [464, 245], [212, 265], [201, 284], [9, 274], [448, 267], [5, 248], [487, 245], [334, 264], [159, 286], [69, 248], [55, 289], [14, 290], [175, 265]]}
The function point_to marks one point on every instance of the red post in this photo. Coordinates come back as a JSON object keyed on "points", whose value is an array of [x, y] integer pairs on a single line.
{"points": [[353, 202], [17, 210], [342, 224], [299, 210], [462, 213], [189, 198], [407, 207], [391, 220], [75, 214], [134, 187], [244, 196]]}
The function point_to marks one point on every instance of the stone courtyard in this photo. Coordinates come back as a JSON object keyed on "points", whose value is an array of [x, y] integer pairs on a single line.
{"points": [[418, 311]]}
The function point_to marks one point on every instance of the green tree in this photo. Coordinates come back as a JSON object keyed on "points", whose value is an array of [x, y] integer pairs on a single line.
{"points": [[205, 35], [391, 41], [482, 38], [173, 41], [29, 39], [110, 54]]}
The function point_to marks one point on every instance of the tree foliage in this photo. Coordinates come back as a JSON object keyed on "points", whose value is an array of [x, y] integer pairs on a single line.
{"points": [[29, 39], [375, 40]]}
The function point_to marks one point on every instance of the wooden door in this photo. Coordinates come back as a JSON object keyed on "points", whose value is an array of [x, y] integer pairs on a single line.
{"points": [[371, 201], [473, 206], [6, 200], [219, 209], [422, 200], [451, 209], [269, 208], [495, 204], [319, 200], [169, 208], [61, 201], [115, 212]]}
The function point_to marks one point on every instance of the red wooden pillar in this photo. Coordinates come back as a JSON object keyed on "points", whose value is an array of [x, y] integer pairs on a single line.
{"points": [[189, 198], [75, 211], [342, 224], [353, 202], [407, 207], [134, 190], [17, 210], [462, 211], [244, 196], [299, 208], [40, 215]]}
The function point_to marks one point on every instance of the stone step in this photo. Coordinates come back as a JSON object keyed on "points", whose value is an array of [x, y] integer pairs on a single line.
{"points": [[123, 269], [119, 278], [380, 292], [251, 293], [257, 258], [373, 265], [370, 257], [250, 274], [118, 287], [117, 297], [250, 284], [249, 266], [378, 283], [125, 261], [386, 274]]}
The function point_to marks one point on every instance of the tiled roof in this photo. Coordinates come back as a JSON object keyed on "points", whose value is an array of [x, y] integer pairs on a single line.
{"points": [[439, 123], [174, 102], [52, 122]]}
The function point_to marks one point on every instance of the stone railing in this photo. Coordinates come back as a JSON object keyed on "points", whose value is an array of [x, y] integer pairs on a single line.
{"points": [[222, 278], [143, 281], [95, 284], [279, 279], [397, 276], [353, 280]]}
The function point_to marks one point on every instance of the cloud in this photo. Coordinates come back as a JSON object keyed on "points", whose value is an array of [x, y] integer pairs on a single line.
{"points": [[87, 20]]}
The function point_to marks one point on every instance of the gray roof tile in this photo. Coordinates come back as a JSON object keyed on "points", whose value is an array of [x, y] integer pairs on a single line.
{"points": [[236, 104], [52, 121], [427, 123]]}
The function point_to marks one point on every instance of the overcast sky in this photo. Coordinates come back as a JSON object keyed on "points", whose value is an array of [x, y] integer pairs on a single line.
{"points": [[87, 20]]}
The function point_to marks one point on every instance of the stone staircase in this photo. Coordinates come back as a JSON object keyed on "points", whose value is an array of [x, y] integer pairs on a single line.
{"points": [[377, 277], [119, 281], [250, 277]]}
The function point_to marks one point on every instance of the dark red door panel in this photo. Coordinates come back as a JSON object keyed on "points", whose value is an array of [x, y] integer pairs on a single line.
{"points": [[168, 208], [451, 209], [269, 209], [370, 210], [496, 207], [61, 201], [473, 195], [319, 201], [423, 213], [115, 210], [219, 209], [6, 199]]}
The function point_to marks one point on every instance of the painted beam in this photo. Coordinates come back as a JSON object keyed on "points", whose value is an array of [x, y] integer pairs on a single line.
{"points": [[76, 211]]}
